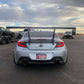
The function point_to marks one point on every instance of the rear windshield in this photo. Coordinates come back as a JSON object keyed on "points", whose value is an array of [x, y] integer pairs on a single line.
{"points": [[40, 37], [40, 34], [68, 33]]}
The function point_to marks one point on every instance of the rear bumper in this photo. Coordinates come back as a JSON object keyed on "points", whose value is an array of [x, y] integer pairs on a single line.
{"points": [[21, 53], [28, 60]]}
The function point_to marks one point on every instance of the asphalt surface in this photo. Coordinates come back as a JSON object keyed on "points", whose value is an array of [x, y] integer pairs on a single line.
{"points": [[71, 73]]}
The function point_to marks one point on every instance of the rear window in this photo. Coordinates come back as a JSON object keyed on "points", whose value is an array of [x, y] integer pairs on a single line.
{"points": [[40, 34]]}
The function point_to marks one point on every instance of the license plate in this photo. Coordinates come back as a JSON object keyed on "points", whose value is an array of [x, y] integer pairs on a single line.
{"points": [[41, 56]]}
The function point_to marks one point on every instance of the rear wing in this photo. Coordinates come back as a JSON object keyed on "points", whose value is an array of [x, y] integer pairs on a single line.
{"points": [[30, 28]]}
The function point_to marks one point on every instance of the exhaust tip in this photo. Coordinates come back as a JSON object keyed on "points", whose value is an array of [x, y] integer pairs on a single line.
{"points": [[25, 61]]}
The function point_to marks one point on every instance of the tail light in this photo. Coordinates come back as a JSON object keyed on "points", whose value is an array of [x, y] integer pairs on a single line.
{"points": [[60, 44], [21, 44]]}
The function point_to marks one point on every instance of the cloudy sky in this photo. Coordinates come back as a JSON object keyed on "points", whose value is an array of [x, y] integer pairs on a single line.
{"points": [[42, 13]]}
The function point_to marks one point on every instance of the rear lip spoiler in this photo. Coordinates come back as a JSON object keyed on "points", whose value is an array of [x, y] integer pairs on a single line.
{"points": [[29, 39]]}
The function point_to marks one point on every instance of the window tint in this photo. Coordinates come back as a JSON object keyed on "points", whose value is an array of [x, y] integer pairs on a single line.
{"points": [[39, 34]]}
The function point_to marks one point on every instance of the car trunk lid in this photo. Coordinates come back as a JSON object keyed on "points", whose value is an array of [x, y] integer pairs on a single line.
{"points": [[41, 46]]}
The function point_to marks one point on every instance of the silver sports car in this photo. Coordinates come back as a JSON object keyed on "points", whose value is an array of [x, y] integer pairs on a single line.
{"points": [[40, 47]]}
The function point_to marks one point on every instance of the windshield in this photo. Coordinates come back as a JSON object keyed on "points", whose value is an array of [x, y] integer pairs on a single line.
{"points": [[68, 33]]}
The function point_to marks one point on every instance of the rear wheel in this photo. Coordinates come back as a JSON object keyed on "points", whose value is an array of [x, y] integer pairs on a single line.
{"points": [[3, 41], [63, 37], [63, 62], [19, 36], [9, 40]]}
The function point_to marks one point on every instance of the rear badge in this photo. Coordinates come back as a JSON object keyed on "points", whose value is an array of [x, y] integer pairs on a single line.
{"points": [[41, 45]]}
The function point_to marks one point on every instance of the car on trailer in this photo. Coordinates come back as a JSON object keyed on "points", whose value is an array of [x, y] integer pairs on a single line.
{"points": [[40, 47]]}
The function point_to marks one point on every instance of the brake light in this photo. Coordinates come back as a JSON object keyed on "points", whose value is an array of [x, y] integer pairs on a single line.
{"points": [[21, 44], [60, 44]]}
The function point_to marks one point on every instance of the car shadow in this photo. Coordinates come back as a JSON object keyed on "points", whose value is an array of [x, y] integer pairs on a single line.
{"points": [[43, 67]]}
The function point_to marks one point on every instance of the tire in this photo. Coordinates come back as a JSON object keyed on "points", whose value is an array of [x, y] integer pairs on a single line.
{"points": [[3, 41], [63, 37], [19, 36], [9, 40], [63, 63]]}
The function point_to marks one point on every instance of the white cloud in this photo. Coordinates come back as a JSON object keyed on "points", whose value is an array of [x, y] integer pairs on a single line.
{"points": [[5, 5], [43, 12]]}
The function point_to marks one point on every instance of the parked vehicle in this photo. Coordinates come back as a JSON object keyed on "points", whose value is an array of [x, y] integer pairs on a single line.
{"points": [[40, 47], [5, 36], [68, 35]]}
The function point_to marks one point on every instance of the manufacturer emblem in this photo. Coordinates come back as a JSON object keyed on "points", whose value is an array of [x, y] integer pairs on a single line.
{"points": [[41, 45]]}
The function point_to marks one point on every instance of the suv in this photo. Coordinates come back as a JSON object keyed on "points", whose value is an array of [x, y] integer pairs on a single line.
{"points": [[68, 35], [5, 35]]}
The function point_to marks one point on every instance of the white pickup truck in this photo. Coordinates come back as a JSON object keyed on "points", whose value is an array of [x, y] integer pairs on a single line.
{"points": [[68, 34]]}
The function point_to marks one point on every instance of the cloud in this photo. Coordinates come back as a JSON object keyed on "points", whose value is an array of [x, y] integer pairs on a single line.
{"points": [[78, 3], [43, 12], [8, 13]]}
